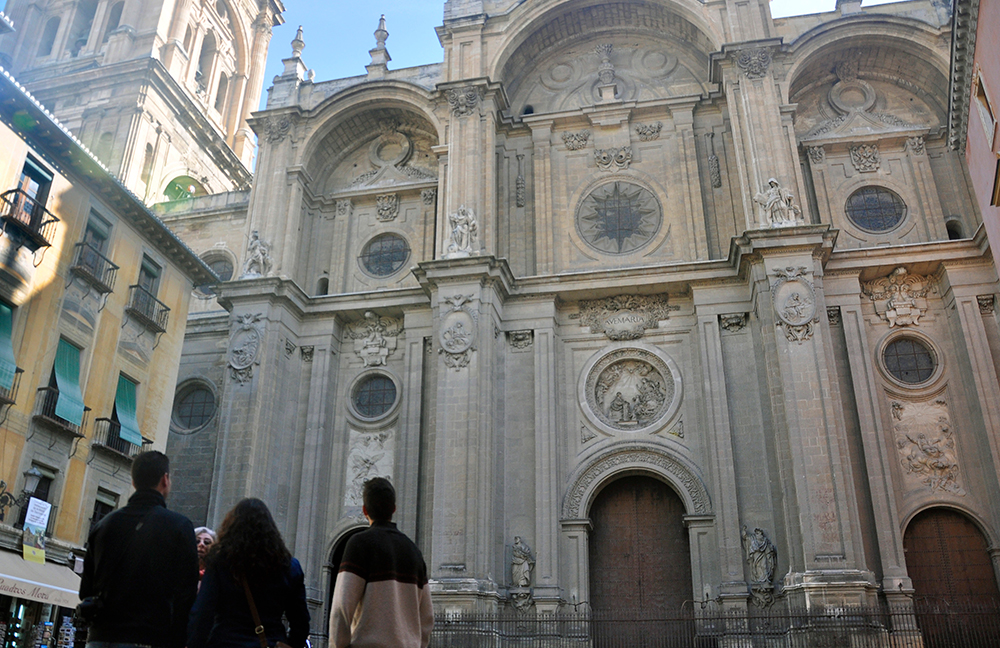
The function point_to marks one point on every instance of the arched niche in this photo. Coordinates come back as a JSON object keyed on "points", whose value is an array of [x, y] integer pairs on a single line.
{"points": [[659, 50]]}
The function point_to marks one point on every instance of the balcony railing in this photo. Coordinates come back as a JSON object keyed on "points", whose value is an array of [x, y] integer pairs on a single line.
{"points": [[45, 412], [9, 396], [146, 308], [107, 436], [28, 216], [94, 268]]}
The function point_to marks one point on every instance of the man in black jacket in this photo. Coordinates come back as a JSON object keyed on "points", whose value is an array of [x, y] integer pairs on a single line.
{"points": [[142, 565]]}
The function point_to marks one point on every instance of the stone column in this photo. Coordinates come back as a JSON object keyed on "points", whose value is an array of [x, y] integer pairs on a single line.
{"points": [[694, 205], [826, 558], [541, 137], [576, 539], [243, 144], [547, 501], [463, 559]]}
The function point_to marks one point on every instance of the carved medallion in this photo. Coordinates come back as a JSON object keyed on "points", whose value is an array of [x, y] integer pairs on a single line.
{"points": [[625, 317], [631, 389], [926, 445], [900, 298], [794, 301], [458, 332], [619, 217], [244, 346]]}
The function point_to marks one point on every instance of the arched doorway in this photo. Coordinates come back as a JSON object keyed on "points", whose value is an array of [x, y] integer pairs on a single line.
{"points": [[957, 598], [640, 555], [336, 556]]}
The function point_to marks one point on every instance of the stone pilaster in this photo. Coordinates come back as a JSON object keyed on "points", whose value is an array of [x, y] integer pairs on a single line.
{"points": [[826, 557], [466, 294]]}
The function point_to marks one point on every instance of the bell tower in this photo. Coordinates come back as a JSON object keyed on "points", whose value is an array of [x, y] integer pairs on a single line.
{"points": [[159, 90]]}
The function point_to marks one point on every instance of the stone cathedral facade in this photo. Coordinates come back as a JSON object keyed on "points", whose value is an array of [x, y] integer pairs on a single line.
{"points": [[637, 302]]}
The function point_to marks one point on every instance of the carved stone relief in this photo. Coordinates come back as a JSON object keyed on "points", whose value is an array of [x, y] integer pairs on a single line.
{"points": [[244, 346], [345, 208], [900, 298], [619, 217], [520, 188], [649, 132], [276, 128], [915, 145], [734, 323], [371, 455], [778, 208], [429, 196], [754, 62], [521, 340], [458, 331], [816, 154], [576, 141], [586, 434], [389, 155], [794, 301], [464, 101], [865, 158], [630, 389], [386, 207], [987, 304], [636, 456], [258, 261], [289, 348], [714, 169], [375, 338], [762, 558], [833, 315], [613, 159], [625, 317], [307, 353], [926, 444], [464, 235]]}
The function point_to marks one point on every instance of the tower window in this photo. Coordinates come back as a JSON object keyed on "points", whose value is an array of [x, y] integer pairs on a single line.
{"points": [[114, 19], [220, 95], [49, 37]]}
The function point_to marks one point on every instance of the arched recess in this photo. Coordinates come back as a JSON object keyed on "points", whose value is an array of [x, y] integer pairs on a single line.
{"points": [[628, 458], [332, 567], [661, 49]]}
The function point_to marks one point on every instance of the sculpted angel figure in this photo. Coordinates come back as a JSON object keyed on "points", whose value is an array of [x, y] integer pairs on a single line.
{"points": [[779, 208], [521, 564]]}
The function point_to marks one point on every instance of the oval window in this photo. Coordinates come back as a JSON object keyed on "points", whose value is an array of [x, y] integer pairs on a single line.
{"points": [[385, 254], [194, 407], [909, 360], [875, 209], [374, 396]]}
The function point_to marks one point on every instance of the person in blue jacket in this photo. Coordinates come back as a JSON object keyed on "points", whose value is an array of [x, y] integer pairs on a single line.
{"points": [[249, 552]]}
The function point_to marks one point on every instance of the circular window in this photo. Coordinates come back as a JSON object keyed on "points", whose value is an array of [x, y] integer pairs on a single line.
{"points": [[875, 209], [374, 396], [194, 407], [385, 255], [619, 218], [909, 360], [222, 267]]}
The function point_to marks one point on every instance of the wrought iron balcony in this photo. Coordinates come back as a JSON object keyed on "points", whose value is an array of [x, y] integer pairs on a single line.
{"points": [[9, 396], [107, 436], [145, 307], [94, 268], [45, 412], [28, 217]]}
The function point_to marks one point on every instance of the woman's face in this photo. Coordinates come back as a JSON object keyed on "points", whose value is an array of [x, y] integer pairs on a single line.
{"points": [[204, 542]]}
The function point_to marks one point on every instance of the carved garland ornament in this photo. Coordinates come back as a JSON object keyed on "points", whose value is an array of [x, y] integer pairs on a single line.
{"points": [[576, 141], [649, 132], [276, 128], [866, 158], [613, 159], [387, 207], [640, 457], [794, 301]]}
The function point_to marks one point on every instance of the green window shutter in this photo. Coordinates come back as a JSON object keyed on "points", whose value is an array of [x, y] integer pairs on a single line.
{"points": [[125, 407], [8, 366], [70, 404]]}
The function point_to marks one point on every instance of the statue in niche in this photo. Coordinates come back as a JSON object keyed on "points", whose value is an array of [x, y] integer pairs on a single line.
{"points": [[464, 231], [521, 564], [258, 258], [779, 208]]}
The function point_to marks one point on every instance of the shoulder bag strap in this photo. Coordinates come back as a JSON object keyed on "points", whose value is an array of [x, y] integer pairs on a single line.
{"points": [[259, 629]]}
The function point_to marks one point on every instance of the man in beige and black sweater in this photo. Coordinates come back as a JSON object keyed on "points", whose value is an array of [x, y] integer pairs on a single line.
{"points": [[381, 598]]}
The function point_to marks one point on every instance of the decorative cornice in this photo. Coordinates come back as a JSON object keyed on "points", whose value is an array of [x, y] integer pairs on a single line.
{"points": [[965, 22]]}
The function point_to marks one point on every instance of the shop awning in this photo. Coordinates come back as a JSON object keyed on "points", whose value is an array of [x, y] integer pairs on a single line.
{"points": [[48, 583]]}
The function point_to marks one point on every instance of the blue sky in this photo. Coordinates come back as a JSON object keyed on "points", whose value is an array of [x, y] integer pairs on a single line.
{"points": [[338, 33]]}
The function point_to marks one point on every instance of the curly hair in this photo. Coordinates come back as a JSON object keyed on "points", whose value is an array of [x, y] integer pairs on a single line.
{"points": [[249, 541]]}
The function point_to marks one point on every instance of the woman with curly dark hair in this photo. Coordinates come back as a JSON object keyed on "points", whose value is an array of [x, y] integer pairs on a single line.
{"points": [[249, 568]]}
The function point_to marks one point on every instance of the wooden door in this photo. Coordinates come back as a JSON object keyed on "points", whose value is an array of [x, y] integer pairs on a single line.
{"points": [[947, 558], [640, 558]]}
